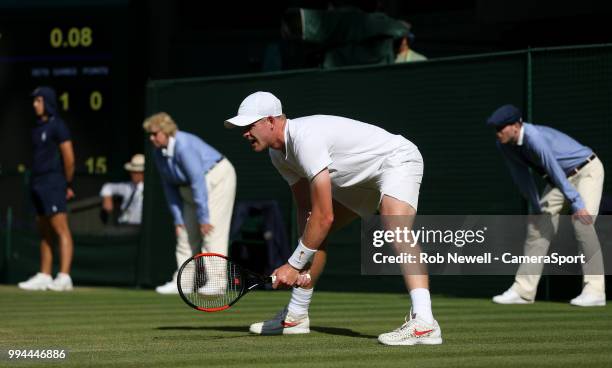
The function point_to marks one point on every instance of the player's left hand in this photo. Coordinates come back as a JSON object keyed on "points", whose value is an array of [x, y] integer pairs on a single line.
{"points": [[286, 276], [583, 216], [304, 280], [69, 194]]}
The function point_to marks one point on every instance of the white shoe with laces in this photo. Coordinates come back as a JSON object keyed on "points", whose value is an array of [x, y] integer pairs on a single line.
{"points": [[284, 323], [586, 299], [510, 297], [168, 288], [40, 281], [414, 331], [62, 282]]}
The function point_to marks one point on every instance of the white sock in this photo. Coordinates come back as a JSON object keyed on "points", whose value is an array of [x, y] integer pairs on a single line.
{"points": [[300, 301], [421, 304]]}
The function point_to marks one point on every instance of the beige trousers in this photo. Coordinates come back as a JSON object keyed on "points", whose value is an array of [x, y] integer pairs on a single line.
{"points": [[589, 184], [221, 185]]}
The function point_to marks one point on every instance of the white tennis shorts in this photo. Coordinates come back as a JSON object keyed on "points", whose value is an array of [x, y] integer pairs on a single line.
{"points": [[399, 176]]}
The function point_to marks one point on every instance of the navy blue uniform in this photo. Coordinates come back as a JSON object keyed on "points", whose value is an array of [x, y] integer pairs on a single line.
{"points": [[48, 183]]}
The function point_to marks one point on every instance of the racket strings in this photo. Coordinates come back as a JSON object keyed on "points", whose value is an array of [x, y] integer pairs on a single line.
{"points": [[211, 282]]}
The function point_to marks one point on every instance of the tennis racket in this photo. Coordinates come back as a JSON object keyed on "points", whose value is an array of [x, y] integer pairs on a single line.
{"points": [[212, 282]]}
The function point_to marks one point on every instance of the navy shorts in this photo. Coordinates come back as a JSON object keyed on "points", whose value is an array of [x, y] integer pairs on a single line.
{"points": [[49, 194]]}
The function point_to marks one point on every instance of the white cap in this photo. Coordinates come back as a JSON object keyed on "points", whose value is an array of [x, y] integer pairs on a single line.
{"points": [[256, 106], [137, 164]]}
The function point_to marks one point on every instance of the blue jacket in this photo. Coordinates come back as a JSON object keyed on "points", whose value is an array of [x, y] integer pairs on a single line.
{"points": [[547, 151], [187, 165]]}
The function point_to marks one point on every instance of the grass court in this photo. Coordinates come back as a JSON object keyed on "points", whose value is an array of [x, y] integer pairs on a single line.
{"points": [[112, 327]]}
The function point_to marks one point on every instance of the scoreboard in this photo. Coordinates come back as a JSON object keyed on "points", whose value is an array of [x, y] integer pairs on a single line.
{"points": [[82, 52]]}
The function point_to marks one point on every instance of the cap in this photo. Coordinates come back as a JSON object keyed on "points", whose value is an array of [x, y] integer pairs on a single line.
{"points": [[504, 115], [137, 163], [256, 106]]}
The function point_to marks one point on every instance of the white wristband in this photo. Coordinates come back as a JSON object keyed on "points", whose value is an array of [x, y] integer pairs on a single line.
{"points": [[301, 256]]}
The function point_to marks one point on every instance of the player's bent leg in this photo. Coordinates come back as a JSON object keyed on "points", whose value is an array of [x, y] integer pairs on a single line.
{"points": [[342, 217], [294, 319], [397, 213], [420, 327]]}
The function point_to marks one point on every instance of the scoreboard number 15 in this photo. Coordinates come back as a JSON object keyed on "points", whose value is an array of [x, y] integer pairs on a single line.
{"points": [[96, 165]]}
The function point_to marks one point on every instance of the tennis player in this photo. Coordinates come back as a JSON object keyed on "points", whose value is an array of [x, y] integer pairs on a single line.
{"points": [[338, 169]]}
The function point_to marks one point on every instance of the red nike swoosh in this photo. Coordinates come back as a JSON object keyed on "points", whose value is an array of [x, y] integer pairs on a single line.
{"points": [[290, 324], [421, 333]]}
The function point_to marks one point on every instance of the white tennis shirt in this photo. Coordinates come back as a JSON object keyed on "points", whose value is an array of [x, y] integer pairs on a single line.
{"points": [[353, 151]]}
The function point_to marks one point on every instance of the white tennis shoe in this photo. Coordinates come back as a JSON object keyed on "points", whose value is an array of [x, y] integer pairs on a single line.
{"points": [[168, 288], [586, 299], [510, 297], [62, 282], [40, 281], [414, 331], [284, 323]]}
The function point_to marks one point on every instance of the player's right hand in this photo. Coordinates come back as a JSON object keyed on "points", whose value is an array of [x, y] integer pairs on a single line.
{"points": [[286, 276]]}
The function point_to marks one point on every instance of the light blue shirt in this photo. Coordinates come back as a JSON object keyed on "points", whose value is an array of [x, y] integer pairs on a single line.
{"points": [[547, 151], [185, 162]]}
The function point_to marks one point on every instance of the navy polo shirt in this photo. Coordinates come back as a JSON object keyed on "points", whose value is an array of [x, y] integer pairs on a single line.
{"points": [[46, 138]]}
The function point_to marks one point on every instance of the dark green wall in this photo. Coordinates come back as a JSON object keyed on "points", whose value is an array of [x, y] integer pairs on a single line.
{"points": [[440, 105]]}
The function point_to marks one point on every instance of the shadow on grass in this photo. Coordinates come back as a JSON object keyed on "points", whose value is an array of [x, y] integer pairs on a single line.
{"points": [[205, 328], [341, 332], [325, 330]]}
